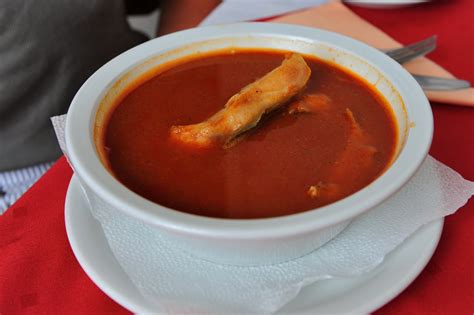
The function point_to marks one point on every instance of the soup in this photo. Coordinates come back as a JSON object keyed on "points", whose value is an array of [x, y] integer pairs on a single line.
{"points": [[329, 140]]}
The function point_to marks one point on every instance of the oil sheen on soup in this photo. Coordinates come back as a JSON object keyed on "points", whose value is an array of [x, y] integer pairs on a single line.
{"points": [[289, 163]]}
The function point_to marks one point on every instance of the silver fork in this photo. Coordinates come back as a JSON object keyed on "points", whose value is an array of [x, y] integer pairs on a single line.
{"points": [[440, 84], [421, 48], [412, 51]]}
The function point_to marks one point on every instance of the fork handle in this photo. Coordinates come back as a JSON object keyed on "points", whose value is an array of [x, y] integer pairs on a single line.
{"points": [[440, 84]]}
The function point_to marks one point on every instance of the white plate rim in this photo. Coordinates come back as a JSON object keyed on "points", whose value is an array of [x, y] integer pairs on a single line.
{"points": [[75, 238], [384, 4]]}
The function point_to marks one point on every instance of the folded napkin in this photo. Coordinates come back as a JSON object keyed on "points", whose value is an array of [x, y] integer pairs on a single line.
{"points": [[176, 282], [336, 17]]}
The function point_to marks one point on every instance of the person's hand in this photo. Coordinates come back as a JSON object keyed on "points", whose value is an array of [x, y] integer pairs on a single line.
{"points": [[178, 15]]}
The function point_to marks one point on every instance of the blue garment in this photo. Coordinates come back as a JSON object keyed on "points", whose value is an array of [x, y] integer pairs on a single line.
{"points": [[14, 183]]}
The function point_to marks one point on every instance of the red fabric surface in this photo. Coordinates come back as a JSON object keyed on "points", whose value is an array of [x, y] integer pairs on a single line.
{"points": [[446, 286], [38, 271], [39, 274]]}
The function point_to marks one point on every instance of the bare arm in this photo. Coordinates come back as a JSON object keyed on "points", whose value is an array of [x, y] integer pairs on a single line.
{"points": [[178, 15]]}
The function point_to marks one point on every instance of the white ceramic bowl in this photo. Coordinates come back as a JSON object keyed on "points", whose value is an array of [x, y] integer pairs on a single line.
{"points": [[257, 241]]}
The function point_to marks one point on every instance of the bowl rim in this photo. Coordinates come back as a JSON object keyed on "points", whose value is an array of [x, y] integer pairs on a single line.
{"points": [[84, 159]]}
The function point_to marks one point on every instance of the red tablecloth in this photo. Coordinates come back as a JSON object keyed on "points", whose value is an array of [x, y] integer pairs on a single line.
{"points": [[39, 274]]}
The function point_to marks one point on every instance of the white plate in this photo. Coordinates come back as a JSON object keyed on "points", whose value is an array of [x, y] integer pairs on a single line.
{"points": [[383, 4], [362, 294]]}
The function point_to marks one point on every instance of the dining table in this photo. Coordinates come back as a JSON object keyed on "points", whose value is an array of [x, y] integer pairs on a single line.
{"points": [[39, 273]]}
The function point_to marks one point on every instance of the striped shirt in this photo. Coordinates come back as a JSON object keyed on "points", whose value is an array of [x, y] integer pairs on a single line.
{"points": [[14, 183]]}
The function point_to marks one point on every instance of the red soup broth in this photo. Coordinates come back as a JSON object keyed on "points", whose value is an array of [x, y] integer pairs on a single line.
{"points": [[271, 171]]}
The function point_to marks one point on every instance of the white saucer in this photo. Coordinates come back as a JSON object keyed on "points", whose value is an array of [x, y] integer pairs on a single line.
{"points": [[360, 295], [383, 4]]}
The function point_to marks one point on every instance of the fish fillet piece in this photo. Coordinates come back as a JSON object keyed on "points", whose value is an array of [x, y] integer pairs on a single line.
{"points": [[244, 110], [357, 157], [310, 103], [322, 190]]}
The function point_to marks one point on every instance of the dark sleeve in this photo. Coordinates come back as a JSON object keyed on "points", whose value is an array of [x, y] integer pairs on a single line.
{"points": [[141, 6]]}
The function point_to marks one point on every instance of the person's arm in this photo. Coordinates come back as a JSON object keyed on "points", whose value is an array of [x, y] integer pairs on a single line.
{"points": [[178, 15]]}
